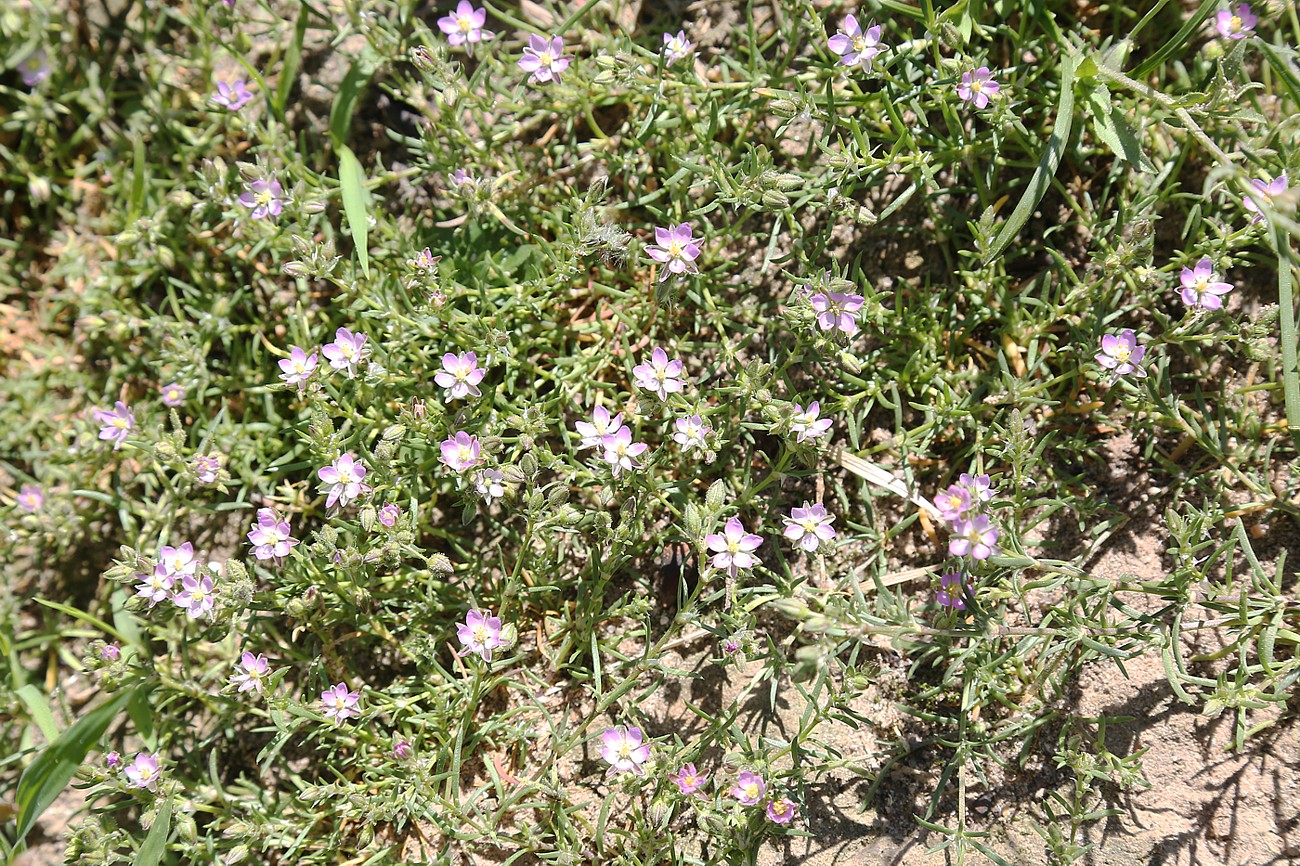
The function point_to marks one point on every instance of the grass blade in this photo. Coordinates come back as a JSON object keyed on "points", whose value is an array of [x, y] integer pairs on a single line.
{"points": [[356, 203], [1047, 164], [1287, 326], [39, 710], [289, 66], [154, 844], [54, 767]]}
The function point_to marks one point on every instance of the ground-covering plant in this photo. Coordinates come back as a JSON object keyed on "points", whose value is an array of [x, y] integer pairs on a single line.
{"points": [[392, 388]]}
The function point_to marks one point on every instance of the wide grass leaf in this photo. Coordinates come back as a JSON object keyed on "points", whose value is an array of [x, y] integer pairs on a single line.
{"points": [[356, 203]]}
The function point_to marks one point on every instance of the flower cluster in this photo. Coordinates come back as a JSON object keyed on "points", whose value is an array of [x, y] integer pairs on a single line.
{"points": [[614, 439], [176, 576], [751, 790], [962, 504], [270, 536]]}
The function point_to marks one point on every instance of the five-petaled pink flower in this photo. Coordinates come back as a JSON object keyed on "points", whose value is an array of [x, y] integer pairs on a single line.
{"points": [[1263, 194], [734, 548], [298, 367], [621, 452], [252, 670], [749, 789], [1122, 354], [659, 375], [675, 249], [806, 424], [30, 498], [689, 780], [34, 68], [340, 703], [346, 479], [544, 59], [461, 451], [691, 433], [1235, 23], [950, 591], [173, 395], [389, 513], [347, 351], [460, 376], [781, 811], [465, 25], [155, 586], [853, 45], [809, 526], [232, 95], [197, 596], [953, 503], [980, 486], [836, 310], [973, 537], [625, 750], [676, 47], [116, 423], [206, 467], [593, 432], [270, 536], [978, 86], [480, 633], [265, 197], [1200, 288], [143, 771]]}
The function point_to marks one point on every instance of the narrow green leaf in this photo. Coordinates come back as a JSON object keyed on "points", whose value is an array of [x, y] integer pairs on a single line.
{"points": [[289, 65], [1047, 165], [49, 774], [154, 844], [142, 716], [356, 203], [1287, 325], [39, 710], [137, 177], [345, 102], [1190, 28]]}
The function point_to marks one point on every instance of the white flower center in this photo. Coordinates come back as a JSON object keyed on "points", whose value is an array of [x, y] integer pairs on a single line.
{"points": [[464, 454]]}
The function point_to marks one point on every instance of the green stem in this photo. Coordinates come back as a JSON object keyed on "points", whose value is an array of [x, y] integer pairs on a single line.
{"points": [[1287, 326]]}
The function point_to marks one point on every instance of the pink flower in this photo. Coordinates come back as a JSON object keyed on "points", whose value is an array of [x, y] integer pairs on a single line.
{"points": [[460, 376], [461, 451], [676, 47], [624, 750], [270, 536], [197, 596], [465, 25], [265, 197], [950, 591], [424, 260], [1263, 195], [143, 771], [734, 548], [675, 249], [953, 502], [805, 423], [30, 498], [252, 670], [601, 425], [233, 95], [544, 59], [389, 513], [461, 177], [621, 452], [835, 310], [346, 480], [1235, 24], [298, 367], [1200, 288], [809, 526], [480, 634], [178, 561], [402, 750], [980, 486], [115, 423], [749, 789], [110, 652], [855, 47], [34, 68], [490, 484], [1122, 354], [206, 467], [978, 86], [173, 395], [689, 780], [340, 703], [781, 811], [347, 351], [659, 375], [155, 586], [113, 760], [973, 537], [691, 433]]}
